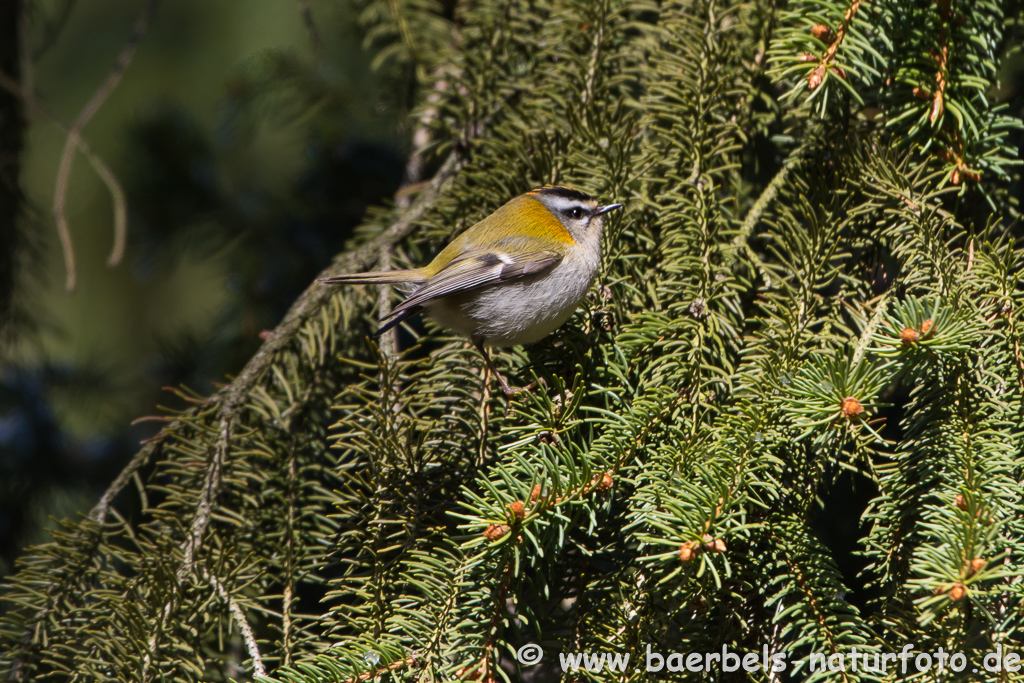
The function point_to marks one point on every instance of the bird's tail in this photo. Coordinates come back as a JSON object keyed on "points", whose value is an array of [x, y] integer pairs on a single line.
{"points": [[383, 277]]}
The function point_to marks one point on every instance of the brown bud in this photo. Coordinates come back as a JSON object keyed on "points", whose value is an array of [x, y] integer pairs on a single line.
{"points": [[687, 552], [840, 71], [926, 327], [851, 408], [937, 108], [495, 531], [975, 566], [973, 176], [960, 502], [606, 482], [808, 57], [718, 546], [711, 544], [922, 94], [823, 33], [518, 510], [957, 592], [816, 77], [909, 336], [535, 494], [955, 176]]}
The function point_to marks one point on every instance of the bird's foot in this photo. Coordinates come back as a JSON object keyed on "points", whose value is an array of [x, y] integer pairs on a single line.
{"points": [[512, 392]]}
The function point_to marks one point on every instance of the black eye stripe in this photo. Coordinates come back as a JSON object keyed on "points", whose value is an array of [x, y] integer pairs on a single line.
{"points": [[574, 212]]}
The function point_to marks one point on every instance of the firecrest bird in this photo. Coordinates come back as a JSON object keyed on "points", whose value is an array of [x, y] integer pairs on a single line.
{"points": [[513, 278]]}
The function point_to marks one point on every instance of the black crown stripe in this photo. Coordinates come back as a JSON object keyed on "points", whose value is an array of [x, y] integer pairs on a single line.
{"points": [[566, 192]]}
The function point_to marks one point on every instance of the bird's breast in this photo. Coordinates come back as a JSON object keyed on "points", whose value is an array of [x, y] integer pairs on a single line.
{"points": [[522, 311]]}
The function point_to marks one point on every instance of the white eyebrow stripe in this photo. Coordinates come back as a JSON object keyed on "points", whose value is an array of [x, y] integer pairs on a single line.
{"points": [[563, 203]]}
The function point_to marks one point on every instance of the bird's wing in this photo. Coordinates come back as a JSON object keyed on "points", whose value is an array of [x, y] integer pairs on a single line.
{"points": [[474, 269]]}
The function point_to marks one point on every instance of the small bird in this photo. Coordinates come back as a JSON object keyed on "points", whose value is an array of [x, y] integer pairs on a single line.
{"points": [[513, 278]]}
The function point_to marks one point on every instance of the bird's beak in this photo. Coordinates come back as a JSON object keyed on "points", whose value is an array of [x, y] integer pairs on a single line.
{"points": [[606, 209]]}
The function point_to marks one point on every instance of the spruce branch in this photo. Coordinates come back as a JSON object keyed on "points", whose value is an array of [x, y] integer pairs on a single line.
{"points": [[655, 491], [230, 401]]}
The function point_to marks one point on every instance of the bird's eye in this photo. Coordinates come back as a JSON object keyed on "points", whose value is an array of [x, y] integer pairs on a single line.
{"points": [[576, 212]]}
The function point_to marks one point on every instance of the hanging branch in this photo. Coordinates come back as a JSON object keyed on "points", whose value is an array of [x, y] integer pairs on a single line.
{"points": [[234, 396]]}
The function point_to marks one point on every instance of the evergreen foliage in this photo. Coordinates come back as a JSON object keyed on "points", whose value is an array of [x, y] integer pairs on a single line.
{"points": [[816, 277]]}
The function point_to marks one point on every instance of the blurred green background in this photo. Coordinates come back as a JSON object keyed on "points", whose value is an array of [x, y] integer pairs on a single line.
{"points": [[248, 152]]}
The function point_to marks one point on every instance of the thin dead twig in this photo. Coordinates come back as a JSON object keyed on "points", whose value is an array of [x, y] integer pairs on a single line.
{"points": [[74, 136], [117, 195]]}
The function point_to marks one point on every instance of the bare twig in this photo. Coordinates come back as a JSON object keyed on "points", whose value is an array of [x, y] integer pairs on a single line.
{"points": [[243, 624], [120, 208], [117, 195], [289, 588], [211, 486], [389, 340], [74, 135]]}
